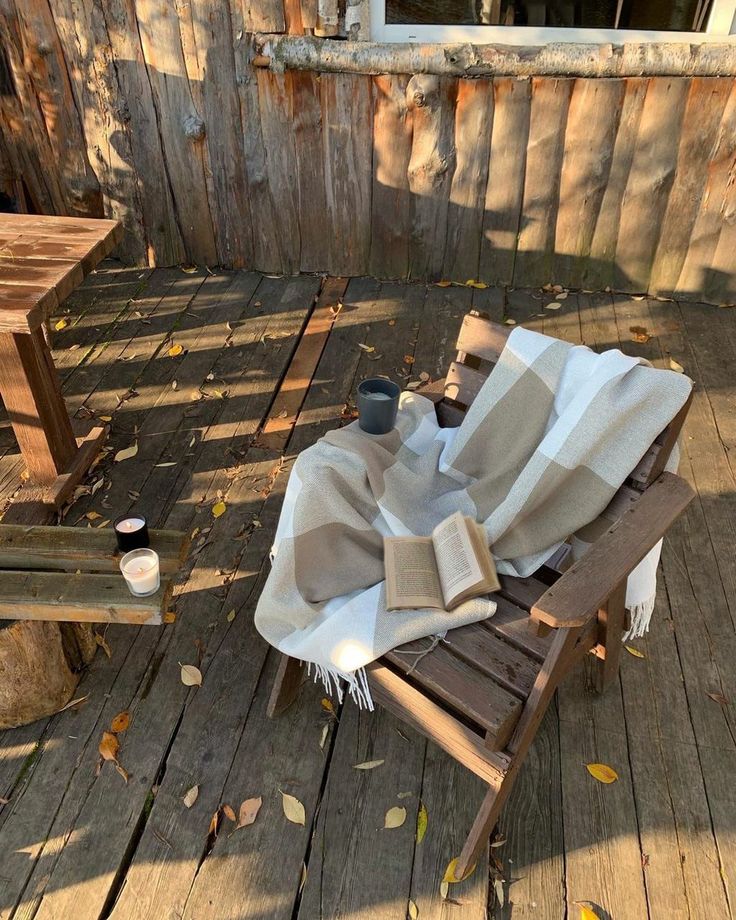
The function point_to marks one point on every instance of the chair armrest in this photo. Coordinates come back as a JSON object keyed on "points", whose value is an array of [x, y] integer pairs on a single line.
{"points": [[433, 389], [586, 586]]}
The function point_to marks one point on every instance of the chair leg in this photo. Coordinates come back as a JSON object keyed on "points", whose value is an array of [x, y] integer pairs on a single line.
{"points": [[285, 686], [611, 622], [485, 821]]}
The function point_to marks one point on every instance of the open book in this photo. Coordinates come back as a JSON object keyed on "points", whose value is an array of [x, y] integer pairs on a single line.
{"points": [[443, 570]]}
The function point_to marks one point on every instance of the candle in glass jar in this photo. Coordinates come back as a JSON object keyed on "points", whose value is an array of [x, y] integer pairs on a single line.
{"points": [[131, 532], [140, 568]]}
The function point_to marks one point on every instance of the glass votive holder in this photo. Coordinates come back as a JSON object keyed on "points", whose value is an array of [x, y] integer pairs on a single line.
{"points": [[140, 569]]}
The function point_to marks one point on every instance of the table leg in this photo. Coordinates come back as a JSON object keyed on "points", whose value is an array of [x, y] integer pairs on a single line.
{"points": [[30, 390]]}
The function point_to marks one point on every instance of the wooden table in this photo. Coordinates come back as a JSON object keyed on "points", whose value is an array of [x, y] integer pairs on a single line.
{"points": [[42, 260]]}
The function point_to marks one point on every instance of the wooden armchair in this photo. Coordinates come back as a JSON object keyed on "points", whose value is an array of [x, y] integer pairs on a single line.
{"points": [[482, 692]]}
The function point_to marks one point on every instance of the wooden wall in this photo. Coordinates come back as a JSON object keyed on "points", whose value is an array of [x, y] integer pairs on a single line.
{"points": [[152, 112]]}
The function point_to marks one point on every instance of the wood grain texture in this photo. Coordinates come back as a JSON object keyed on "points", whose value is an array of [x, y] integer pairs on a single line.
{"points": [[548, 119]]}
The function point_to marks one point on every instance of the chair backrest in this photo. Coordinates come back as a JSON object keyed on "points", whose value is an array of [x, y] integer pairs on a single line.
{"points": [[479, 346]]}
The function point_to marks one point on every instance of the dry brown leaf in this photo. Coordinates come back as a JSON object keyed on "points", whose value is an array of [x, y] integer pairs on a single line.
{"points": [[72, 703], [395, 817], [189, 269], [293, 809], [123, 772], [639, 334], [218, 509], [93, 515], [169, 616], [126, 453], [229, 812], [249, 811], [105, 418], [121, 722], [190, 676], [102, 642], [109, 746], [444, 283], [190, 796], [408, 359], [718, 698], [602, 772]]}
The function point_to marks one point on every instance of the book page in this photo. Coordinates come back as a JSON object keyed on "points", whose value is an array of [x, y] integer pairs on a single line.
{"points": [[411, 573], [457, 565]]}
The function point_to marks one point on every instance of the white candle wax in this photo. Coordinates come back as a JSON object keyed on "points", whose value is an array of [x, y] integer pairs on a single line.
{"points": [[140, 569], [130, 525]]}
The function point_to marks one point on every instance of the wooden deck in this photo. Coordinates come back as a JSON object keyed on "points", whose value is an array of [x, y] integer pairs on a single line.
{"points": [[78, 842]]}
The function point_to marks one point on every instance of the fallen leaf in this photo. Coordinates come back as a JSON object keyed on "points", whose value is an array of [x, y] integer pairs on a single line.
{"points": [[561, 296], [327, 705], [368, 348], [639, 334], [718, 698], [554, 305], [72, 703], [498, 891], [509, 322], [249, 812], [368, 765], [92, 515], [61, 324], [676, 366], [190, 796], [218, 509], [105, 418], [229, 812], [123, 772], [190, 676], [498, 843], [634, 651], [102, 642], [126, 453], [231, 615], [412, 911], [586, 912], [214, 824], [602, 772], [169, 616], [3, 801], [444, 283], [422, 822], [168, 463], [408, 359], [293, 809], [444, 890], [175, 350], [109, 746], [323, 736], [395, 817], [121, 722], [449, 875], [189, 269]]}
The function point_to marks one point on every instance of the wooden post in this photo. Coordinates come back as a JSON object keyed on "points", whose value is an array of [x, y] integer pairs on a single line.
{"points": [[32, 396], [611, 628]]}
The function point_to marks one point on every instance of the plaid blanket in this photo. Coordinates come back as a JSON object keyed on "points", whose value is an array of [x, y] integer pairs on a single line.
{"points": [[552, 434]]}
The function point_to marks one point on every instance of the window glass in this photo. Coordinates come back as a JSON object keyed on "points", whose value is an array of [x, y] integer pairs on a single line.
{"points": [[661, 15]]}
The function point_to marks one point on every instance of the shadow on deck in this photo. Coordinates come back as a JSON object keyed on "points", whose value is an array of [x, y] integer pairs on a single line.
{"points": [[78, 842]]}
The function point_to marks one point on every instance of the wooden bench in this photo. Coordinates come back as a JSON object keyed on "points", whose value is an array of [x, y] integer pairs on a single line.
{"points": [[72, 574], [482, 692], [42, 259]]}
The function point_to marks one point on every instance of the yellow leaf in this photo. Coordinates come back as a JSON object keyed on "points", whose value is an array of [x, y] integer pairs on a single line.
{"points": [[444, 283], [586, 912], [109, 746], [676, 366], [602, 772], [408, 359], [368, 765], [444, 890], [552, 306], [367, 348], [190, 676], [412, 911], [479, 285], [121, 722], [249, 811], [218, 509], [169, 616], [470, 282], [395, 817], [327, 705], [175, 350], [231, 616], [634, 651], [190, 796], [105, 418], [449, 875], [293, 809], [61, 324], [92, 515], [189, 269], [126, 453], [422, 821]]}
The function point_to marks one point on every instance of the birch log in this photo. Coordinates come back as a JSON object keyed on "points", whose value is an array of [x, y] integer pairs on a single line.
{"points": [[303, 52]]}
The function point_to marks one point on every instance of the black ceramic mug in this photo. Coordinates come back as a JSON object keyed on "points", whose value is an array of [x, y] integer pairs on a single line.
{"points": [[378, 404]]}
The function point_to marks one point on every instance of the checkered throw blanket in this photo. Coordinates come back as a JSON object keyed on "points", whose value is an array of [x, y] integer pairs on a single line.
{"points": [[550, 437]]}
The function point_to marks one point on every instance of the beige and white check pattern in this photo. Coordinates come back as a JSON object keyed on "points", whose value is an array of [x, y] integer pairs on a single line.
{"points": [[551, 436]]}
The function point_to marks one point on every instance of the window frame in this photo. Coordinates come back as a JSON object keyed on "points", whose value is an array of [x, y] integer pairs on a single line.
{"points": [[721, 25]]}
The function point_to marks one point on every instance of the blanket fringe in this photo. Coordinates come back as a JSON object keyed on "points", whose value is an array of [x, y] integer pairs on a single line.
{"points": [[332, 680], [641, 614]]}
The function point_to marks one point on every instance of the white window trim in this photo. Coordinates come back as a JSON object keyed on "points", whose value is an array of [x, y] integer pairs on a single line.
{"points": [[721, 24]]}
